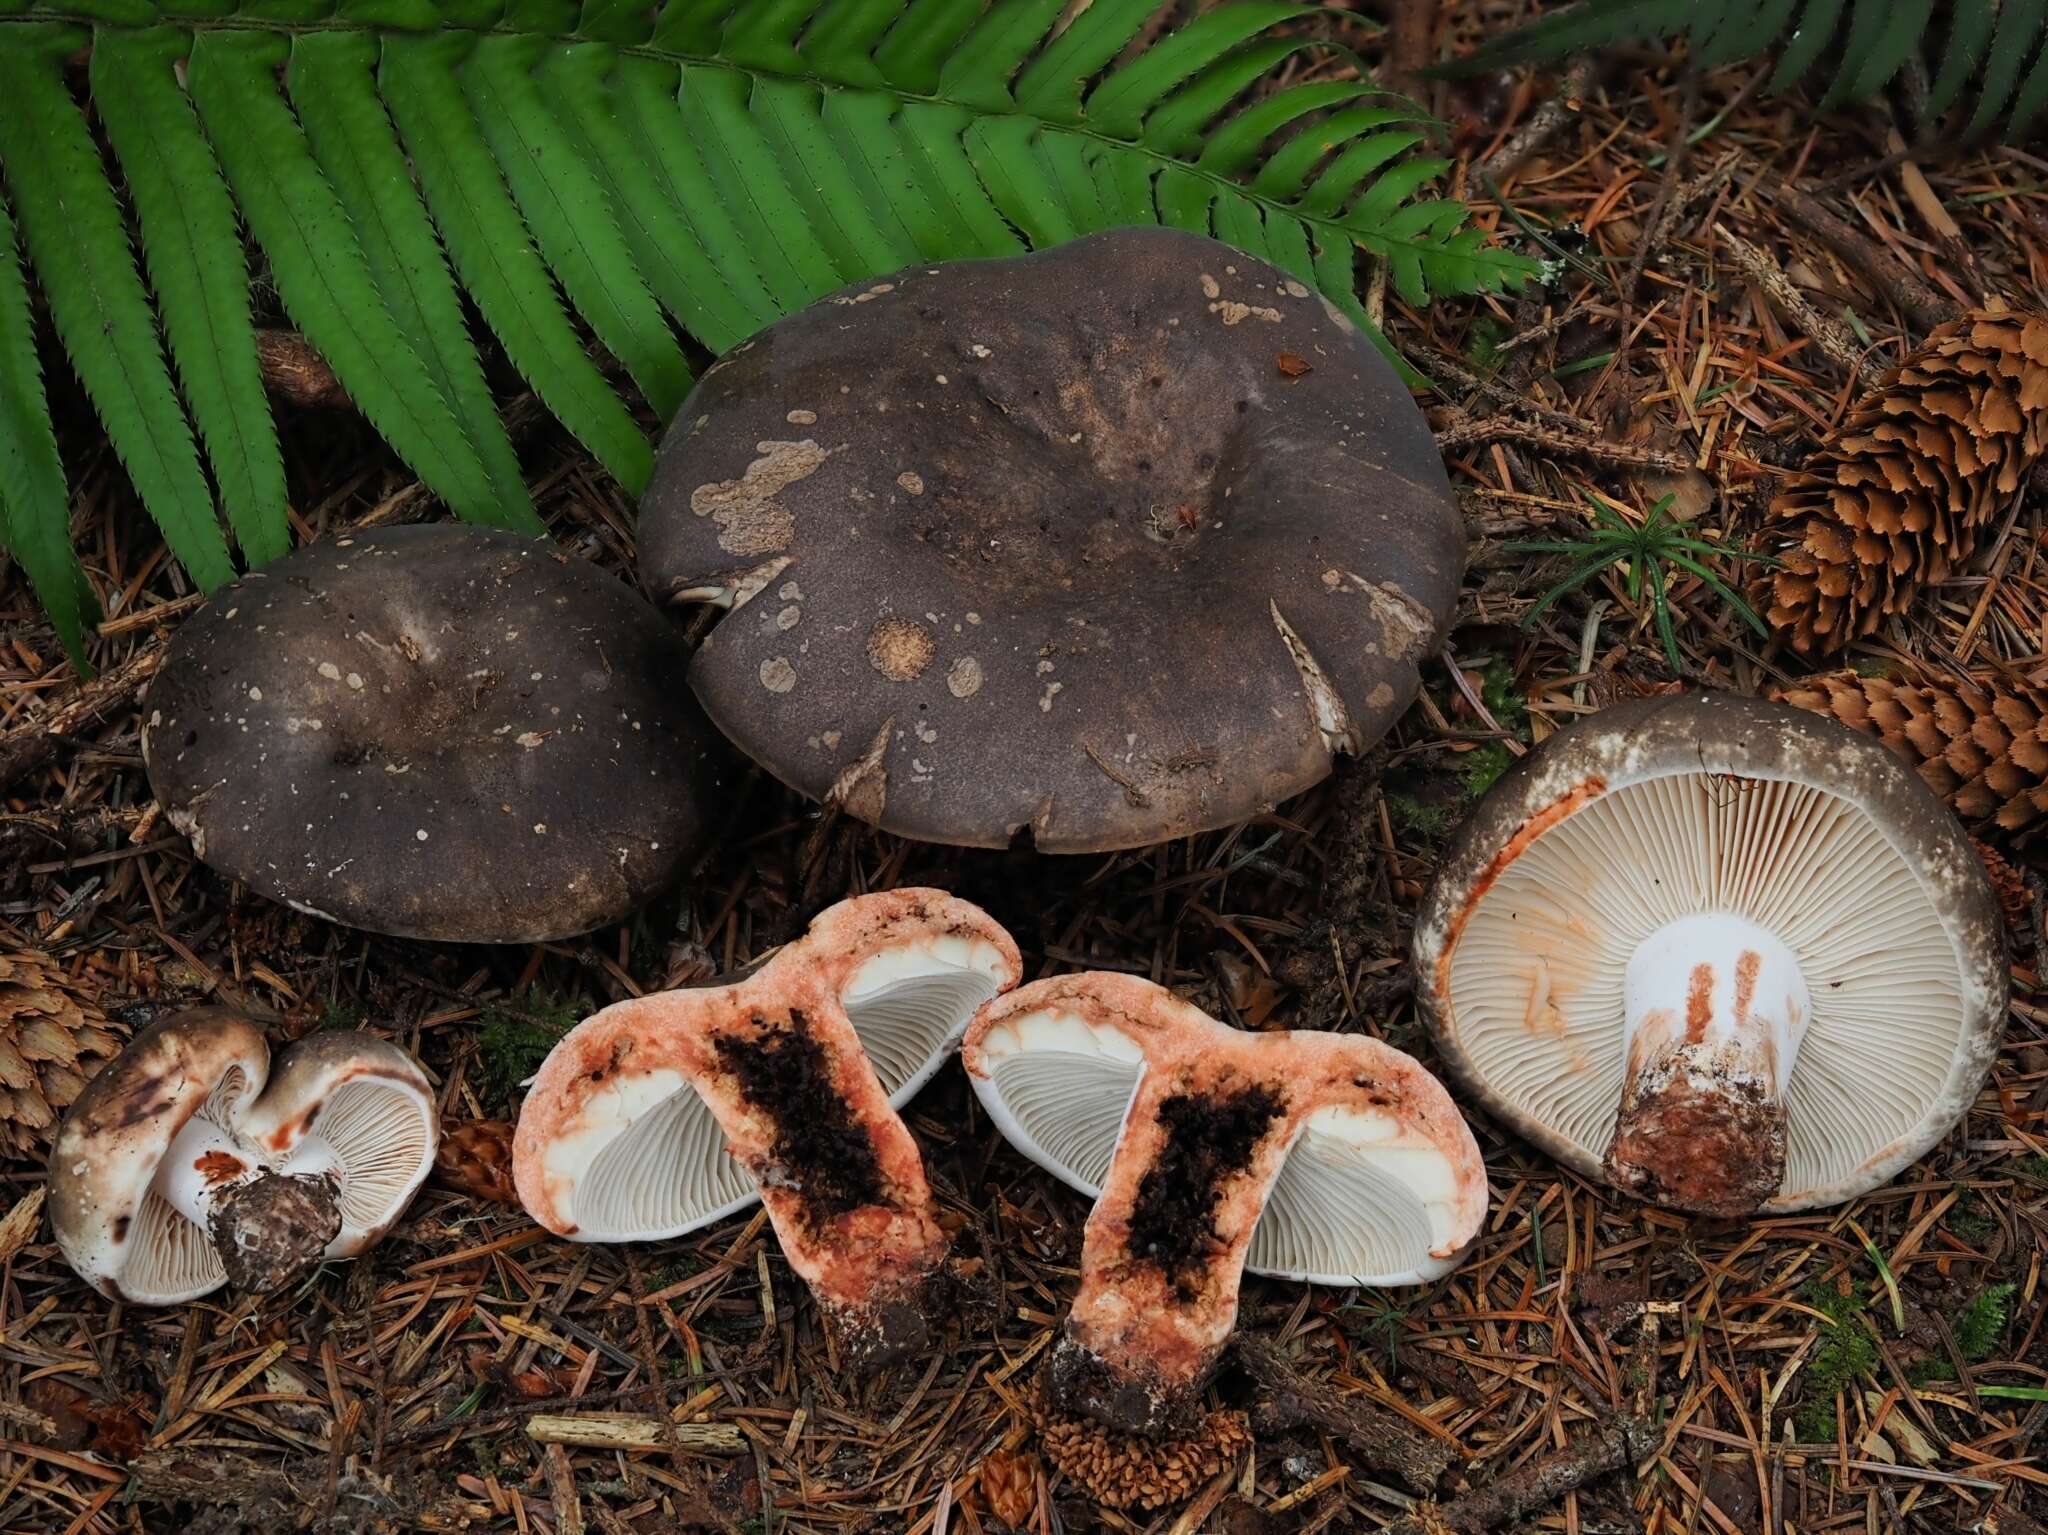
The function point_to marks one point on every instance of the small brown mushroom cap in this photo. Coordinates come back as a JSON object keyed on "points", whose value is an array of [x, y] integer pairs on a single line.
{"points": [[1661, 807], [115, 1136], [438, 732], [1111, 543]]}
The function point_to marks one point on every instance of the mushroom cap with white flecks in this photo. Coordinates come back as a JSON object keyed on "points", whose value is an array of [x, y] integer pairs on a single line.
{"points": [[439, 732], [1663, 807], [1103, 545], [614, 1143], [1382, 1183], [122, 1238]]}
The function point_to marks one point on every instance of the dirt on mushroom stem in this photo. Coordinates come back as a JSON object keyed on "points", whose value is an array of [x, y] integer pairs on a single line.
{"points": [[272, 1228]]}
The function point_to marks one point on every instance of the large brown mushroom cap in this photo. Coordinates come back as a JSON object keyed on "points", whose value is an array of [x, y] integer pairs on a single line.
{"points": [[438, 732], [1111, 543]]}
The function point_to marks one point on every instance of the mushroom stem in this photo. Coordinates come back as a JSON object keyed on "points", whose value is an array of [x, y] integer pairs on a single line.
{"points": [[268, 1223], [1716, 1007]]}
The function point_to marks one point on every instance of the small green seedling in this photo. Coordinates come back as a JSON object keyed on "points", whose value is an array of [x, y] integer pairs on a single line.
{"points": [[1648, 552]]}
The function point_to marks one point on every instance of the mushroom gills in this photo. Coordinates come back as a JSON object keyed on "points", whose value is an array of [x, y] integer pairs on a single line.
{"points": [[910, 1003], [1349, 1205], [1356, 1203], [1715, 1007], [664, 1168]]}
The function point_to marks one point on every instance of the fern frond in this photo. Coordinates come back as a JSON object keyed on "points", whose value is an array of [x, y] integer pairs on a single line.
{"points": [[697, 167], [322, 274], [79, 246], [198, 272], [332, 85], [34, 525], [1974, 49]]}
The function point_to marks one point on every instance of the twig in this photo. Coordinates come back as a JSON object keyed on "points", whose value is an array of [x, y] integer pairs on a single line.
{"points": [[32, 747], [1552, 114], [1833, 339], [1379, 1438], [1502, 428], [1613, 1447], [1868, 259], [630, 1431]]}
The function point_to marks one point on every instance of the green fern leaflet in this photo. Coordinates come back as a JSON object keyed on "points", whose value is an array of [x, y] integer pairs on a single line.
{"points": [[651, 173], [1989, 57]]}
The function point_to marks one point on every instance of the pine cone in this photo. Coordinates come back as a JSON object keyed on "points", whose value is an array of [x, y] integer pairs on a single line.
{"points": [[475, 1158], [1982, 749], [1898, 496], [1009, 1486], [51, 1043], [1124, 1470]]}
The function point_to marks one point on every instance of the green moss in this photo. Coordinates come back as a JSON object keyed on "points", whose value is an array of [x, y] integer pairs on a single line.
{"points": [[343, 1014], [2031, 1169], [1969, 1221], [514, 1037], [1979, 1325], [1482, 767], [1427, 824], [1847, 1352], [1482, 348]]}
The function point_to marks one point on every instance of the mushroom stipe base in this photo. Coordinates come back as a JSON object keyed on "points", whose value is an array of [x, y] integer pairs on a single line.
{"points": [[274, 1227]]}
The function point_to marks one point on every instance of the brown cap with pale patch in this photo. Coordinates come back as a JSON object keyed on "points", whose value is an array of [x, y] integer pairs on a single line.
{"points": [[1108, 544], [438, 732]]}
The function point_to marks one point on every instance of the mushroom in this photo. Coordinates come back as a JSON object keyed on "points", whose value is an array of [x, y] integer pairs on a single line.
{"points": [[1330, 1158], [1724, 953], [437, 732], [189, 1161], [664, 1113], [1099, 546]]}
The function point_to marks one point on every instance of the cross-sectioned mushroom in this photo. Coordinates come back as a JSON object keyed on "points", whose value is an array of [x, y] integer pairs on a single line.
{"points": [[1101, 546], [664, 1113], [439, 732], [1330, 1158], [194, 1160], [1723, 953]]}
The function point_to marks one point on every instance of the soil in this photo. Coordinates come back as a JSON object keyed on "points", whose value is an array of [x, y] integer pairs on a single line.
{"points": [[820, 1150], [1210, 1139]]}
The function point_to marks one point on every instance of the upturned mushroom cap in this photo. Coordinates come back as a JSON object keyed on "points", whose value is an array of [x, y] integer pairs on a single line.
{"points": [[1327, 1157], [659, 1115], [121, 1236], [438, 732], [1703, 813], [343, 1130], [1107, 544]]}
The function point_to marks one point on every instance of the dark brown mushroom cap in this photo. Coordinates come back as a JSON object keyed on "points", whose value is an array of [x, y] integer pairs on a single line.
{"points": [[1115, 542], [438, 732]]}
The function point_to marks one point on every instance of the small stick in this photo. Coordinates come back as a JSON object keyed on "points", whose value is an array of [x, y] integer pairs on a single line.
{"points": [[32, 747], [1503, 428], [1918, 302], [1833, 339], [1379, 1438], [1616, 1446], [1554, 112], [631, 1431]]}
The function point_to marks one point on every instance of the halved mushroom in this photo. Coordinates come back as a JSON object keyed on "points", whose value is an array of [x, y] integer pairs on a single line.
{"points": [[439, 732], [1331, 1158], [189, 1162], [1724, 953], [1104, 545], [660, 1115]]}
